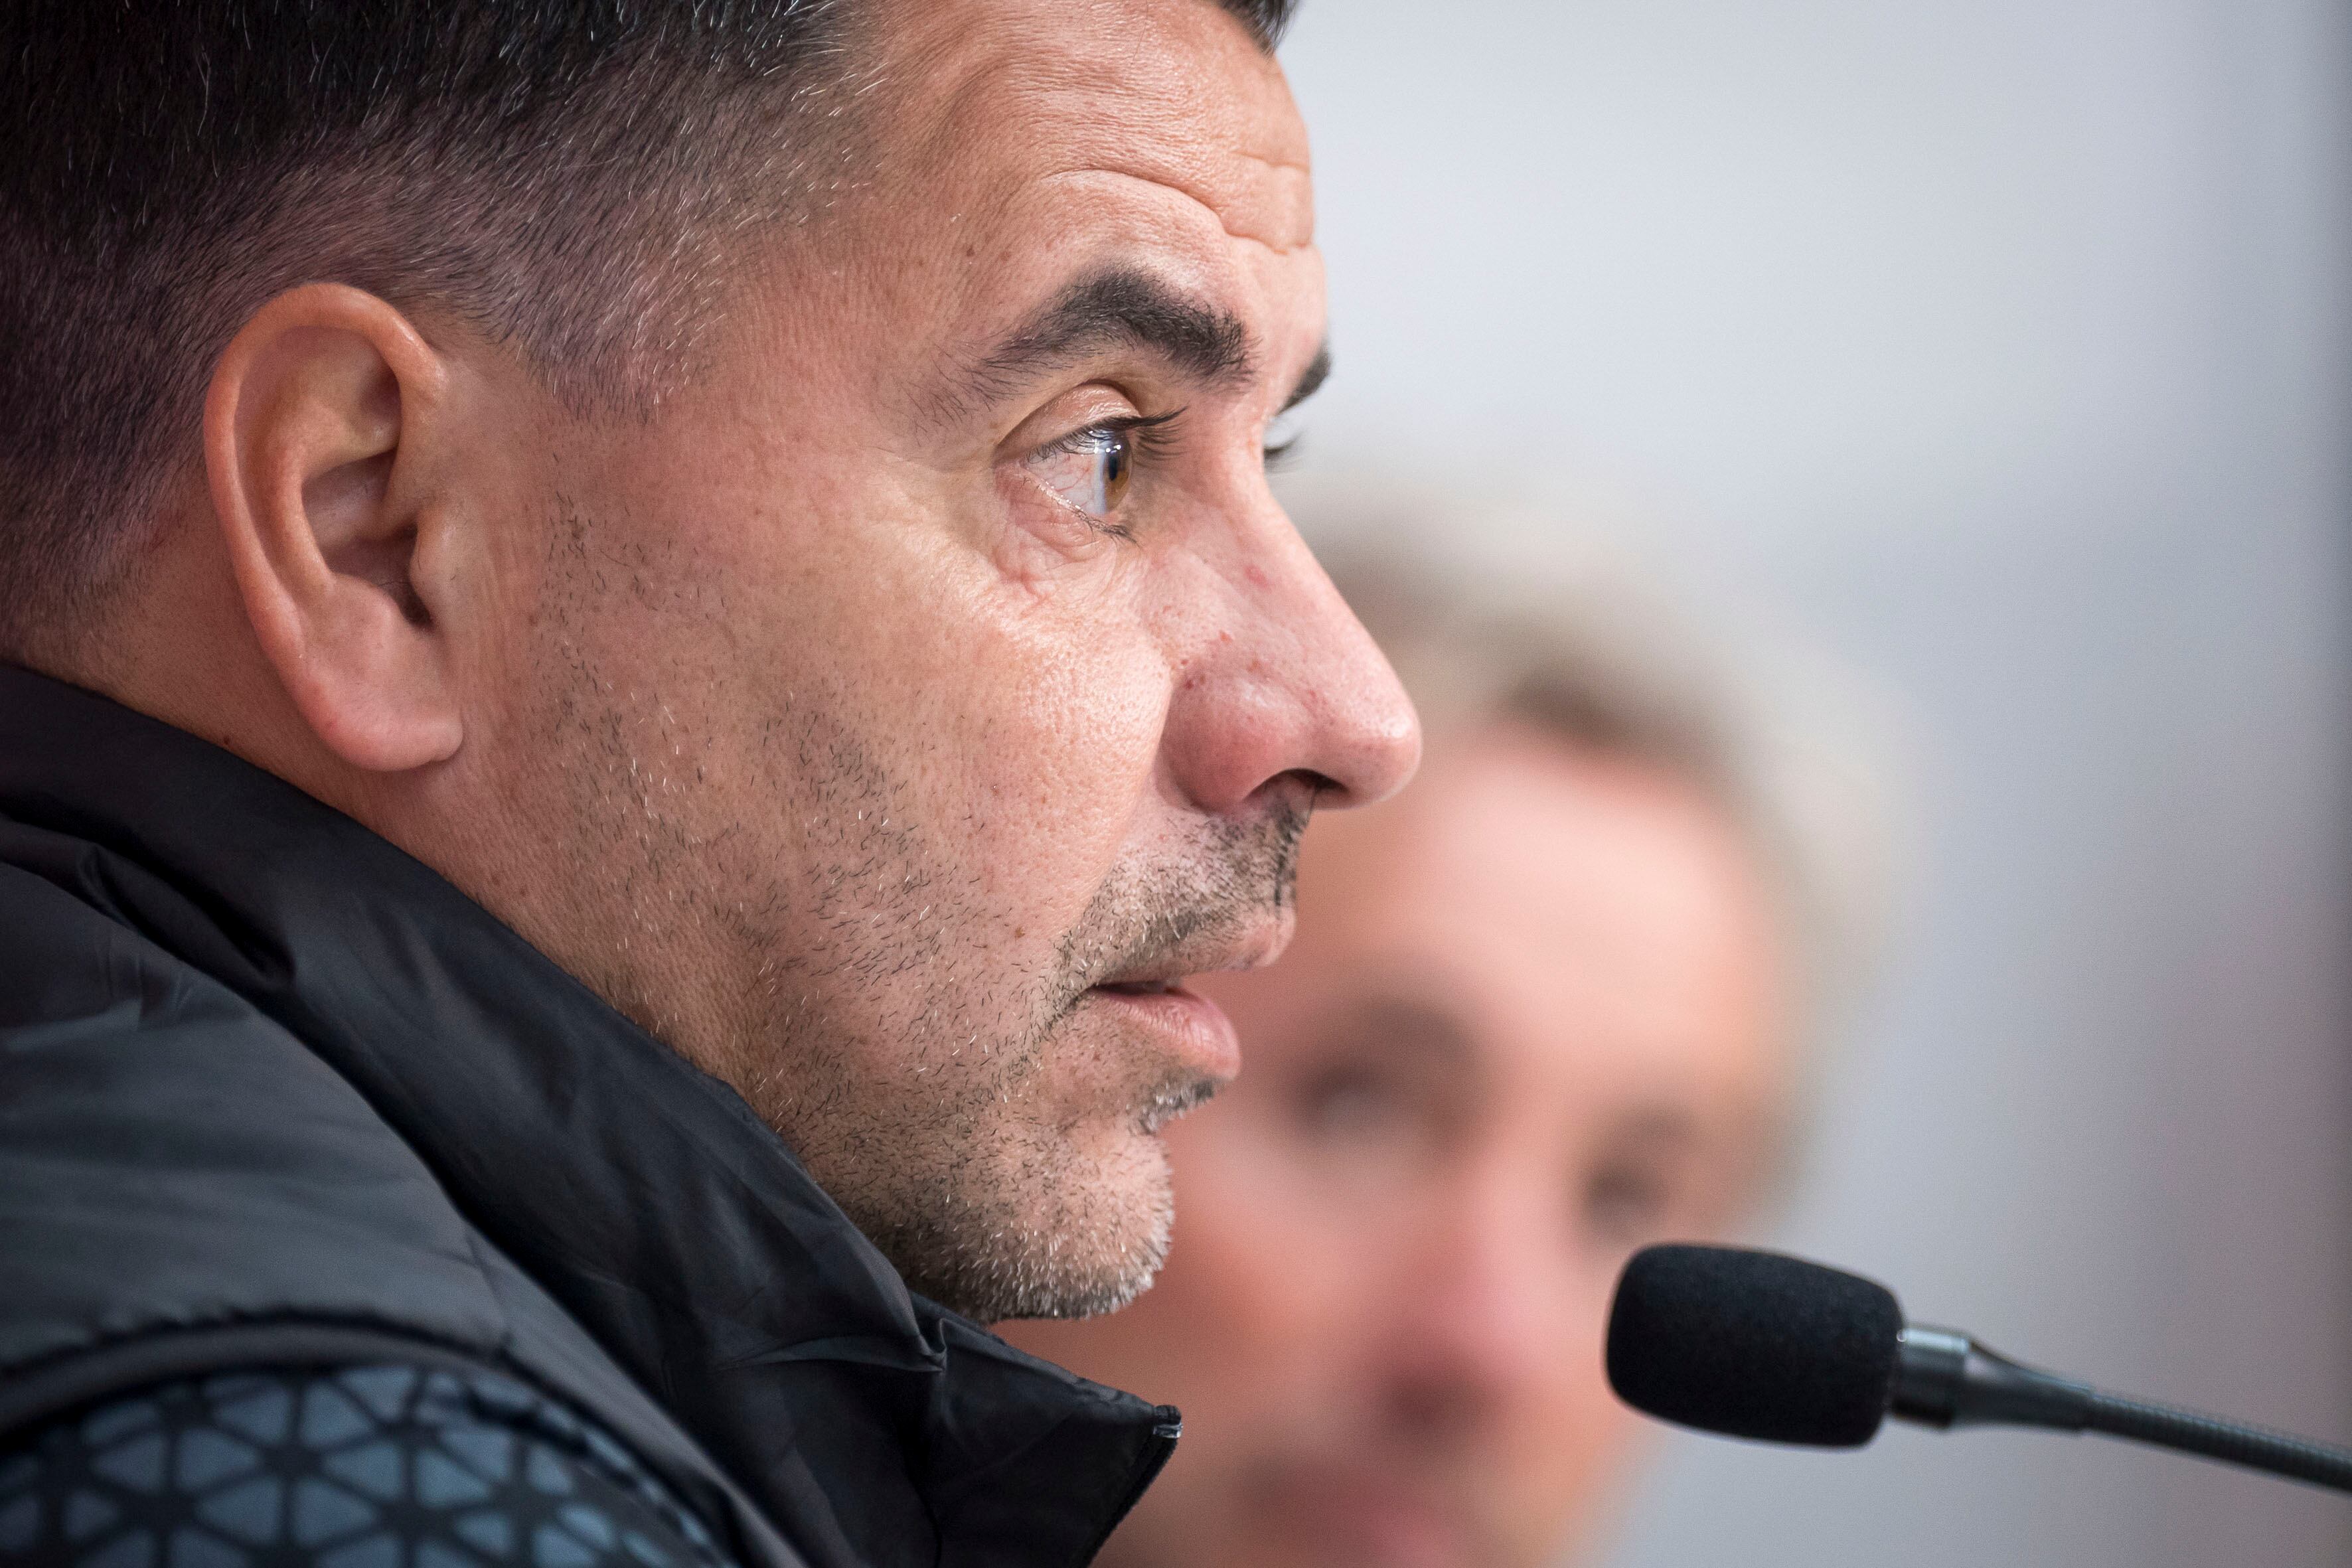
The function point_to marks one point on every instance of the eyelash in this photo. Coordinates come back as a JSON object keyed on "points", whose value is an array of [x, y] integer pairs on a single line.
{"points": [[1154, 433], [1157, 435], [1155, 438]]}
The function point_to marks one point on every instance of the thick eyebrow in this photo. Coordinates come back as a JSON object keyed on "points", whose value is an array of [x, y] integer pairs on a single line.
{"points": [[1401, 1024], [1311, 379], [1122, 307]]}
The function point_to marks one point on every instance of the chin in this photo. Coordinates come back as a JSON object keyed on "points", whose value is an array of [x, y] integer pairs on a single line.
{"points": [[1102, 1236], [1072, 1222]]}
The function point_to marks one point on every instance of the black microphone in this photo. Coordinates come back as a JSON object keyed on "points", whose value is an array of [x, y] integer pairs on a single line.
{"points": [[1772, 1347]]}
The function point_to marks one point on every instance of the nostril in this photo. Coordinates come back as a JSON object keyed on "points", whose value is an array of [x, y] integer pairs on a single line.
{"points": [[1302, 791]]}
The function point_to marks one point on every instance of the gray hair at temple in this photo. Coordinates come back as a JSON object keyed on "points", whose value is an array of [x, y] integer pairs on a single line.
{"points": [[1791, 750]]}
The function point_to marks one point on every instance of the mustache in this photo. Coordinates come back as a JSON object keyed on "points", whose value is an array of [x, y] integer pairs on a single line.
{"points": [[1179, 918]]}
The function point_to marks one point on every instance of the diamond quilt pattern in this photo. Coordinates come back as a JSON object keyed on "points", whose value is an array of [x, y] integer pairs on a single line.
{"points": [[375, 1467]]}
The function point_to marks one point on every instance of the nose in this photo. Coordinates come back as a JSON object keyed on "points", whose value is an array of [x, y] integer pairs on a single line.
{"points": [[1280, 682], [1488, 1329]]}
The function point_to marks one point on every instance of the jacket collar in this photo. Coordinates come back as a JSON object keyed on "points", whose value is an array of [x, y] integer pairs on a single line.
{"points": [[874, 1426]]}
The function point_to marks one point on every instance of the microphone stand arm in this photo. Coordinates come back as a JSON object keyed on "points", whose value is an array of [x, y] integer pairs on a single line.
{"points": [[1944, 1379]]}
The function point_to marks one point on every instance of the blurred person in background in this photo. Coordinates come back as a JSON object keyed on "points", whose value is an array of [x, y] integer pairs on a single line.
{"points": [[1555, 1003]]}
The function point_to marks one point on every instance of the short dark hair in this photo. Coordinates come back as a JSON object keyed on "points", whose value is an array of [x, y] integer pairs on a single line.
{"points": [[172, 165]]}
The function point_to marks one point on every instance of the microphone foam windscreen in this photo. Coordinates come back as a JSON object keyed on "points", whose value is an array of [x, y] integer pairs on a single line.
{"points": [[1754, 1345]]}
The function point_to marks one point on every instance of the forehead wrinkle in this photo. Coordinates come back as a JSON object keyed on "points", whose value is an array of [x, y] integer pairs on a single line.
{"points": [[1240, 156], [1072, 91], [1283, 244]]}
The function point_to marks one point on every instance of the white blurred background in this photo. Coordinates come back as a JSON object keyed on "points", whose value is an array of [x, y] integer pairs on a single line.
{"points": [[2002, 351]]}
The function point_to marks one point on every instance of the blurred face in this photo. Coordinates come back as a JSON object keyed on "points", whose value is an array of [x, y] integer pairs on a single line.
{"points": [[1530, 1022], [913, 702]]}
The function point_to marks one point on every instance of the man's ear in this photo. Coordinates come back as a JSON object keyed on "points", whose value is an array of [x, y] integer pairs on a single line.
{"points": [[318, 468]]}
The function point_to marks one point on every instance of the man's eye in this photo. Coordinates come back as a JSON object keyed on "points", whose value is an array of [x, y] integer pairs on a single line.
{"points": [[1626, 1205], [1348, 1106], [1089, 469]]}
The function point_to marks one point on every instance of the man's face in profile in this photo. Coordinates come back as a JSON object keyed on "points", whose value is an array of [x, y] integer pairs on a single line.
{"points": [[933, 684]]}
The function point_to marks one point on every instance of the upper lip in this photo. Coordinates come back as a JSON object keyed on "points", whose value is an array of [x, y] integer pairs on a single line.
{"points": [[1257, 944]]}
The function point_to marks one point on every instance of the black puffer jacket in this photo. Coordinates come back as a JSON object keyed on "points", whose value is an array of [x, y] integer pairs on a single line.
{"points": [[272, 1093]]}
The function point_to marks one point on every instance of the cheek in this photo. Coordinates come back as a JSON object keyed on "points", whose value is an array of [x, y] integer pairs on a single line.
{"points": [[1573, 1443], [1023, 732], [1057, 730]]}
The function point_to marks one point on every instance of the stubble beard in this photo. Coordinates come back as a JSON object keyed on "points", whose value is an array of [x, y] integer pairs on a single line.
{"points": [[912, 1069], [990, 1194]]}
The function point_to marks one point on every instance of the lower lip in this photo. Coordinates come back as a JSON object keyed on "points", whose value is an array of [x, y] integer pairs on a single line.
{"points": [[1196, 1027]]}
